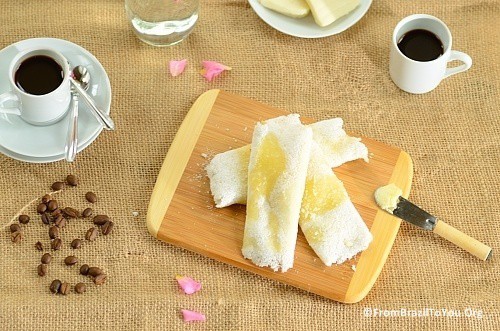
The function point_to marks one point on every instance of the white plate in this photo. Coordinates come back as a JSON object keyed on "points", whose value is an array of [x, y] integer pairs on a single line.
{"points": [[41, 144], [306, 27]]}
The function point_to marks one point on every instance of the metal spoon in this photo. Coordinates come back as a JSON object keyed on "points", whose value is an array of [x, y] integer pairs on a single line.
{"points": [[80, 80], [72, 142]]}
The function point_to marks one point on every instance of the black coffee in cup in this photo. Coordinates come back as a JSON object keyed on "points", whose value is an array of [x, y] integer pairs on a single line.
{"points": [[39, 75], [421, 45]]}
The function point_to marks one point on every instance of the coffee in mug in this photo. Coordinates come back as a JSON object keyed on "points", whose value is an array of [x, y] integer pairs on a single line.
{"points": [[38, 75], [420, 52]]}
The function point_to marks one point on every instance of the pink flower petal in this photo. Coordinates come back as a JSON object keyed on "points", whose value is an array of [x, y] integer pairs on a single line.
{"points": [[188, 285], [189, 315], [212, 69], [177, 67]]}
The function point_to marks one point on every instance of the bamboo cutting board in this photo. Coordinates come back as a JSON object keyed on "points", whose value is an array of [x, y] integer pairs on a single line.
{"points": [[181, 210]]}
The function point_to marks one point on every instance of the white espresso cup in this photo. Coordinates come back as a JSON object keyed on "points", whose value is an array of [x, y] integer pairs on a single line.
{"points": [[423, 76], [31, 106]]}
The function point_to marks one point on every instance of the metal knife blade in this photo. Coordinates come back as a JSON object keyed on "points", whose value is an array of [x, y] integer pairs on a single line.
{"points": [[415, 215]]}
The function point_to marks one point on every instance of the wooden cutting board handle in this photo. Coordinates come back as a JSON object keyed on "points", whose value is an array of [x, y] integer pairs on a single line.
{"points": [[471, 245]]}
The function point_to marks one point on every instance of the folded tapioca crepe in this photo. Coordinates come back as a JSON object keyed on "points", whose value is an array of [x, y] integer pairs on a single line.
{"points": [[277, 170], [228, 171]]}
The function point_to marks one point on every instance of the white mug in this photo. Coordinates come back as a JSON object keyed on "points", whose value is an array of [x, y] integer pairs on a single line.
{"points": [[36, 109], [421, 77]]}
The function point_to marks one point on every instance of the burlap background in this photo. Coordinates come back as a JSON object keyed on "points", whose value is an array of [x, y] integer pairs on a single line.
{"points": [[452, 134]]}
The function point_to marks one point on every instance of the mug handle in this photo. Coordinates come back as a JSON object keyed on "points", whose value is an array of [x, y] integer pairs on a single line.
{"points": [[462, 57], [9, 96]]}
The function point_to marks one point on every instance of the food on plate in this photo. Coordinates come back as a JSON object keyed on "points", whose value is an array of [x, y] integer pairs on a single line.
{"points": [[277, 170], [292, 8], [325, 12], [228, 171], [330, 222]]}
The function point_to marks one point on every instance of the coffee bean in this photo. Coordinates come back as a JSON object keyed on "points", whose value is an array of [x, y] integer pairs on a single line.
{"points": [[71, 212], [56, 244], [84, 269], [71, 260], [39, 246], [72, 180], [80, 288], [46, 198], [65, 288], [95, 271], [55, 286], [76, 243], [91, 234], [15, 227], [100, 219], [42, 269], [56, 212], [60, 222], [57, 186], [91, 197], [52, 205], [16, 236], [41, 208], [53, 232], [45, 218], [24, 219], [87, 212], [107, 228], [100, 279], [46, 258]]}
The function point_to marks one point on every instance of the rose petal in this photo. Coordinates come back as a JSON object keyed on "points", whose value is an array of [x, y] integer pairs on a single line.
{"points": [[188, 285], [212, 69], [177, 67], [189, 315]]}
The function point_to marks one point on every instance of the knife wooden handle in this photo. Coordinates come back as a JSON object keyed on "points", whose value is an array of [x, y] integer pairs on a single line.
{"points": [[462, 240]]}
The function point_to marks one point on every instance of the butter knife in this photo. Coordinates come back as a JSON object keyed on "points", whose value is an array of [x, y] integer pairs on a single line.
{"points": [[415, 215]]}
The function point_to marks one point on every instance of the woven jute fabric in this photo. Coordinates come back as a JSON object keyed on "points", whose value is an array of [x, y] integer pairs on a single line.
{"points": [[451, 133]]}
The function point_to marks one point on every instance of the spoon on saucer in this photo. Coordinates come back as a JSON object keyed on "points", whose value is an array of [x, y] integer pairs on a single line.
{"points": [[72, 140], [80, 79]]}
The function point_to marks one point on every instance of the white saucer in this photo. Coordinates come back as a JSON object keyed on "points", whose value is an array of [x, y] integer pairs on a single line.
{"points": [[41, 144], [306, 27]]}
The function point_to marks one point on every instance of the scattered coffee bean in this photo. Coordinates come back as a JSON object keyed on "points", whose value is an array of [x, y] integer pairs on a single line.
{"points": [[71, 212], [87, 212], [71, 260], [84, 269], [91, 234], [45, 218], [80, 288], [100, 219], [100, 279], [41, 208], [107, 228], [72, 180], [94, 271], [46, 258], [16, 236], [57, 186], [42, 269], [91, 197], [55, 286], [65, 288], [76, 243], [39, 246], [52, 205], [15, 227], [56, 244], [24, 219], [56, 212], [46, 198], [53, 232], [60, 222]]}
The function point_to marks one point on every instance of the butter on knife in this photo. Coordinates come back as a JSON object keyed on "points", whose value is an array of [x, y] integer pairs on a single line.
{"points": [[389, 198]]}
